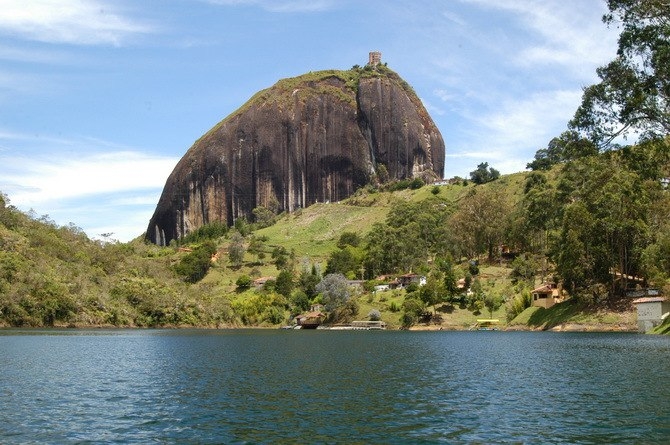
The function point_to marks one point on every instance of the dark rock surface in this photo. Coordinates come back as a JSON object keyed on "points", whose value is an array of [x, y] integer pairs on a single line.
{"points": [[312, 138]]}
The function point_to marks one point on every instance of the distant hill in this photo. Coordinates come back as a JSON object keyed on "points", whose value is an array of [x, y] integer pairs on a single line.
{"points": [[314, 138]]}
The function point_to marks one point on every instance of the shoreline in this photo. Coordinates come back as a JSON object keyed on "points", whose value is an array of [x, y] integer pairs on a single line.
{"points": [[563, 327]]}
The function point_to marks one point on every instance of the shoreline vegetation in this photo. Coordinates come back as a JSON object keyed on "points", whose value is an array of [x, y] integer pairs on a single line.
{"points": [[57, 277]]}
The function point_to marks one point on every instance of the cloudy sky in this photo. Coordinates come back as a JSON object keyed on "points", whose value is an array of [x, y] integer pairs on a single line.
{"points": [[100, 98]]}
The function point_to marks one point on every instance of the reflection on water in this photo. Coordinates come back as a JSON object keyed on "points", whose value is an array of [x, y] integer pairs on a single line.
{"points": [[259, 386]]}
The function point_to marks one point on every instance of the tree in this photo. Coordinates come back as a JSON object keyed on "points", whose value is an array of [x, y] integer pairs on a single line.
{"points": [[655, 257], [633, 94], [348, 239], [236, 249], [281, 257], [194, 265], [284, 283], [411, 234], [242, 226], [449, 280], [336, 297], [480, 221], [413, 310], [346, 261], [308, 280], [492, 302], [334, 289], [604, 224], [257, 247], [484, 174], [300, 301], [263, 217], [475, 298], [432, 293], [523, 268], [570, 145], [382, 174]]}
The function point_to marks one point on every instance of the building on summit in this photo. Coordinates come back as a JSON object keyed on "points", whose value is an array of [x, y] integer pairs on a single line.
{"points": [[375, 58]]}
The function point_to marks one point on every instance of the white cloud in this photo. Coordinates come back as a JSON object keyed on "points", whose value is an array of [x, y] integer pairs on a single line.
{"points": [[455, 18], [282, 5], [36, 181], [567, 33], [67, 21], [507, 136], [511, 79], [99, 185], [528, 119]]}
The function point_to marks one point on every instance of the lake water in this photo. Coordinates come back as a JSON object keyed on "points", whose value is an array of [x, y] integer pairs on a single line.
{"points": [[354, 387]]}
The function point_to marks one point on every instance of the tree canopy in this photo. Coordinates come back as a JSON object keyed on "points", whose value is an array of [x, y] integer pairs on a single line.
{"points": [[484, 174], [633, 95]]}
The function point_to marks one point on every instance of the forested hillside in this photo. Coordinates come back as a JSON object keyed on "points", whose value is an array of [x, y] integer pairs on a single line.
{"points": [[589, 223], [57, 276]]}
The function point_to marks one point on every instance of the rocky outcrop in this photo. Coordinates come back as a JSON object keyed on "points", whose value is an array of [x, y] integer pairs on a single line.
{"points": [[312, 138]]}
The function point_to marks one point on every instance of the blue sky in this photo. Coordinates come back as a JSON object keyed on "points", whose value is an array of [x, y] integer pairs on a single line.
{"points": [[100, 98]]}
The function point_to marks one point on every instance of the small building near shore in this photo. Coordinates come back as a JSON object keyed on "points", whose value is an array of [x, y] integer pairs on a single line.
{"points": [[651, 311], [546, 296], [310, 320]]}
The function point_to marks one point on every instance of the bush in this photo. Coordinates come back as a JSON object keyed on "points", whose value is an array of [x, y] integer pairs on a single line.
{"points": [[194, 266], [408, 320], [273, 315], [209, 231], [416, 184], [243, 283], [375, 315], [517, 305], [402, 184]]}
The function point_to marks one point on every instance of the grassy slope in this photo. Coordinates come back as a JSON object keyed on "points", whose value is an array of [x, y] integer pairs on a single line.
{"points": [[313, 232], [569, 316]]}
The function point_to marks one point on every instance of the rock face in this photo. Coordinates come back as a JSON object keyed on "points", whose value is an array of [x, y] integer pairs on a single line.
{"points": [[312, 138]]}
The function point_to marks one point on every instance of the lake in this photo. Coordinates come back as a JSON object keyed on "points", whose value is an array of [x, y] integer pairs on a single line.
{"points": [[354, 387]]}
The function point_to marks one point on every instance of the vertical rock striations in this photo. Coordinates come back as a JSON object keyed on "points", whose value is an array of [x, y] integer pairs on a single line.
{"points": [[312, 138]]}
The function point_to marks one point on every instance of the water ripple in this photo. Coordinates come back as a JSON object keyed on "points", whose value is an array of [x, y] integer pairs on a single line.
{"points": [[332, 387]]}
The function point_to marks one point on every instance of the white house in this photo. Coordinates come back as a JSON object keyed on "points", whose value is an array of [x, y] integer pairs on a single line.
{"points": [[651, 311]]}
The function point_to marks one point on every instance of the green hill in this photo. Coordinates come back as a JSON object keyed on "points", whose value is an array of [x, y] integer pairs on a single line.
{"points": [[56, 276]]}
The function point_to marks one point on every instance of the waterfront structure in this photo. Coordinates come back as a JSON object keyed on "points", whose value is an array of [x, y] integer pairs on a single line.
{"points": [[651, 311]]}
